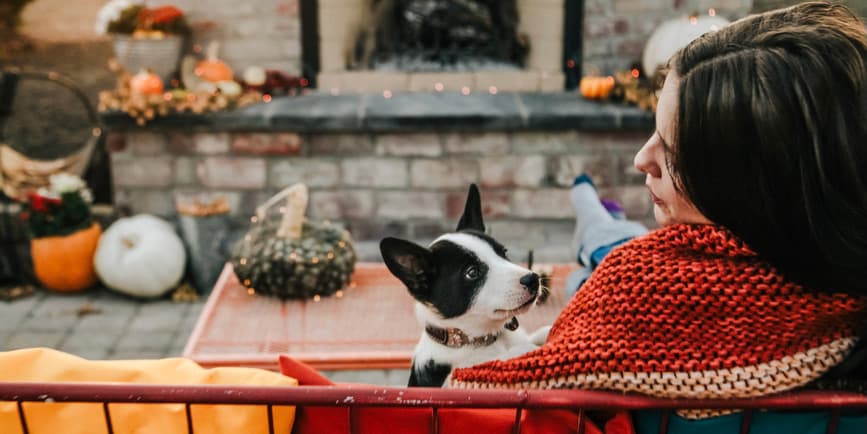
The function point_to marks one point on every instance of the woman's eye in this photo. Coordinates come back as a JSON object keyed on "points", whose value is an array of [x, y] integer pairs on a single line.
{"points": [[472, 273]]}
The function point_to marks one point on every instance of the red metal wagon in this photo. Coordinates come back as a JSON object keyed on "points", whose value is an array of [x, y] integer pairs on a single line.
{"points": [[437, 404]]}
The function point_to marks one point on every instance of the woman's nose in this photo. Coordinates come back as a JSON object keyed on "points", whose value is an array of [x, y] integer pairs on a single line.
{"points": [[645, 162]]}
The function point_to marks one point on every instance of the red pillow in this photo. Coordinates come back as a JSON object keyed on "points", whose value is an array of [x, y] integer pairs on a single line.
{"points": [[336, 420]]}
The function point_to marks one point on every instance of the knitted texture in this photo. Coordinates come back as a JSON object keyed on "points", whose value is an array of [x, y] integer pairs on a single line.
{"points": [[687, 311]]}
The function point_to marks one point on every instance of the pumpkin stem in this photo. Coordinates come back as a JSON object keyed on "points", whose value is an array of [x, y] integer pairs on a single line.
{"points": [[213, 51]]}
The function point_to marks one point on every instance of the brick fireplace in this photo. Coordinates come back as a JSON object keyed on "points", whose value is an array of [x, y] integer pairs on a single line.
{"points": [[541, 22]]}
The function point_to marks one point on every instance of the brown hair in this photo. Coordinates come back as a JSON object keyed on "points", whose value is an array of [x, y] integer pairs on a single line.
{"points": [[771, 139]]}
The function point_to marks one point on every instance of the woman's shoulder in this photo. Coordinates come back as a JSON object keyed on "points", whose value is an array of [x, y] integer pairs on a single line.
{"points": [[690, 239]]}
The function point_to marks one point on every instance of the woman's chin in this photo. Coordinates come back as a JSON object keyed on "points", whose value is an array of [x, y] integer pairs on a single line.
{"points": [[661, 215]]}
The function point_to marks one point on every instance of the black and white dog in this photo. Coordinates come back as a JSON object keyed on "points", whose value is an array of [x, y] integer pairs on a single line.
{"points": [[467, 294]]}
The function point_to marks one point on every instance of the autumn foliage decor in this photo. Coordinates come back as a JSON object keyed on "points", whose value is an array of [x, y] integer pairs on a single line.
{"points": [[63, 234]]}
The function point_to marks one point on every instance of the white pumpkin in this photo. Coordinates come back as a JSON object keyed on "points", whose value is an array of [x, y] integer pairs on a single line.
{"points": [[675, 34], [141, 256]]}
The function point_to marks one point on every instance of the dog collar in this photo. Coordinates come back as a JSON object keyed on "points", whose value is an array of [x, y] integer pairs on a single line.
{"points": [[456, 338]]}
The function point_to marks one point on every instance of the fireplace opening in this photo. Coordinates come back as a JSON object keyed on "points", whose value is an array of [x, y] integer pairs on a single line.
{"points": [[439, 35]]}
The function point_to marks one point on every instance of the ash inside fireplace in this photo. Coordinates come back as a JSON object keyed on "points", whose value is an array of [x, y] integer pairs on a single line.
{"points": [[439, 35]]}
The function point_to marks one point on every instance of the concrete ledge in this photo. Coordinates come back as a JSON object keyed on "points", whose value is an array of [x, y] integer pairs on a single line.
{"points": [[406, 112]]}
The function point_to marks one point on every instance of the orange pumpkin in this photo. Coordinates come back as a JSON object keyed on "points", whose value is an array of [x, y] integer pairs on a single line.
{"points": [[213, 69], [65, 263], [146, 83], [596, 87]]}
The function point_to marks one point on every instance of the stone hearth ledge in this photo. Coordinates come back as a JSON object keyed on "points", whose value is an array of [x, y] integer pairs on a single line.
{"points": [[404, 112]]}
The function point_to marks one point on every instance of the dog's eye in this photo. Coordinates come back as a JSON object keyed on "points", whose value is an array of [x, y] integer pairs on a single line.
{"points": [[472, 273]]}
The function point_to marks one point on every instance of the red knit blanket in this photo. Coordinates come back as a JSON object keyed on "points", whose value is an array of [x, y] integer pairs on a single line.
{"points": [[688, 311]]}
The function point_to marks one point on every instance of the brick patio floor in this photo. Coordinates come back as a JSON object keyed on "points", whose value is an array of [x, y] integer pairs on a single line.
{"points": [[120, 327]]}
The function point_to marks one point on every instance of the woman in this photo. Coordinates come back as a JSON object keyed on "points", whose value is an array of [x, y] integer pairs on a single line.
{"points": [[757, 283]]}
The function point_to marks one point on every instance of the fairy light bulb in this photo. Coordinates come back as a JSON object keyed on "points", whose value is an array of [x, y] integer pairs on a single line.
{"points": [[251, 291], [439, 87], [335, 91], [492, 90], [711, 12], [243, 261], [387, 94], [339, 294], [316, 298], [254, 219], [465, 90]]}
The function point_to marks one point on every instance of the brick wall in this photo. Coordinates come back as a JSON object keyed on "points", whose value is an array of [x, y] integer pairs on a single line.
{"points": [[615, 31], [407, 185], [266, 33]]}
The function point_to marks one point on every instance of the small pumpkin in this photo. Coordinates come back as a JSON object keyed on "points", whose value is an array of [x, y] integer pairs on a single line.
{"points": [[213, 69], [293, 257], [141, 256], [596, 87], [65, 263], [146, 83]]}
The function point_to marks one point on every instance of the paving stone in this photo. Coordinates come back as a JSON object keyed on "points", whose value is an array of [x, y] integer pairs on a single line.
{"points": [[104, 338], [144, 342], [89, 353], [35, 338], [124, 354]]}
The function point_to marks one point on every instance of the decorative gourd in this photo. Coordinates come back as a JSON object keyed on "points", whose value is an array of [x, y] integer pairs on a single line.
{"points": [[65, 263], [141, 256], [213, 69], [675, 34], [146, 83], [596, 87], [292, 257]]}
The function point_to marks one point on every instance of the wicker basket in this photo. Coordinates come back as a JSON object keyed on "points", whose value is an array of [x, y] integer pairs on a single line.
{"points": [[159, 55]]}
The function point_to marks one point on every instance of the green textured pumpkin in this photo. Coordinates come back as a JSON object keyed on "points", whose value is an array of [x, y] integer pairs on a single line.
{"points": [[317, 260]]}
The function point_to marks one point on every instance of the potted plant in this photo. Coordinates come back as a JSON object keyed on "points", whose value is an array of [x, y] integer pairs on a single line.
{"points": [[63, 234], [144, 38]]}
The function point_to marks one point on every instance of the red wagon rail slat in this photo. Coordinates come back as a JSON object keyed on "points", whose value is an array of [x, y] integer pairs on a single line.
{"points": [[364, 396]]}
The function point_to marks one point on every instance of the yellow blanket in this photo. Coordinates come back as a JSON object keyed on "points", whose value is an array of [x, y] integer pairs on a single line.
{"points": [[46, 365]]}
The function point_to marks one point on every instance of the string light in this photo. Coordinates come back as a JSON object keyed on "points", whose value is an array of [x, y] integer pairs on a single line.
{"points": [[315, 260], [339, 294], [254, 219], [330, 255], [711, 12], [243, 261], [251, 291], [247, 282], [167, 96], [570, 63], [492, 90], [693, 20], [316, 298], [465, 90], [341, 244], [439, 87], [335, 91], [635, 73], [352, 285], [266, 98], [387, 94]]}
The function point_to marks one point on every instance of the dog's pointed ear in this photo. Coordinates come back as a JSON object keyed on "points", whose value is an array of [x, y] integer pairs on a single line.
{"points": [[409, 262], [472, 218]]}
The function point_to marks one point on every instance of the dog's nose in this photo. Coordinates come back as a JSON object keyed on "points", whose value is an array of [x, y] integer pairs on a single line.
{"points": [[531, 282]]}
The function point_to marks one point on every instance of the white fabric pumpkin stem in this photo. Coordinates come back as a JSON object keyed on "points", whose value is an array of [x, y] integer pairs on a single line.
{"points": [[293, 214]]}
